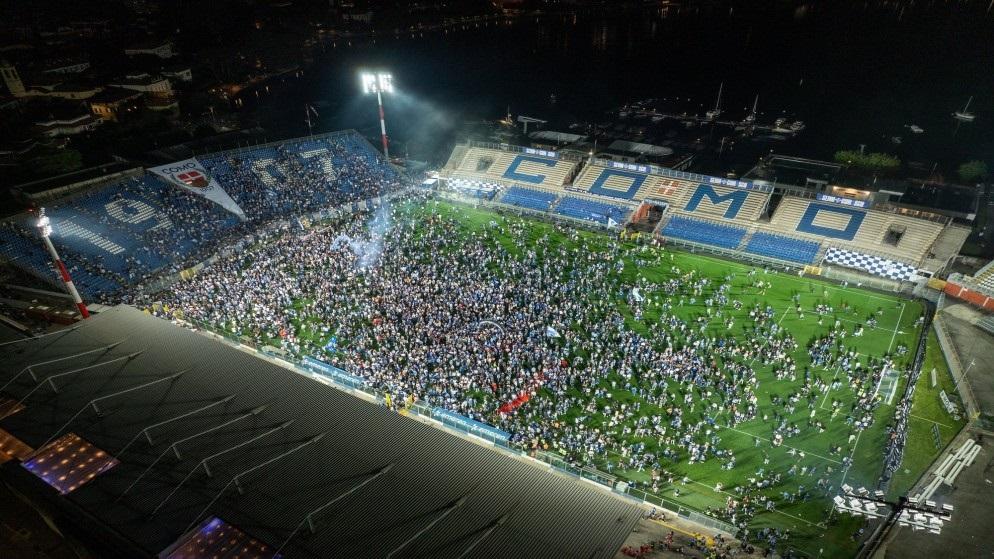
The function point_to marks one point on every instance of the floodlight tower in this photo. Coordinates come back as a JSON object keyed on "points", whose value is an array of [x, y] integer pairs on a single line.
{"points": [[921, 516], [379, 83], [45, 228]]}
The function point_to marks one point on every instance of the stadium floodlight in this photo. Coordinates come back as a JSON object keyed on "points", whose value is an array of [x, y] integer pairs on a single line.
{"points": [[379, 83], [913, 513], [375, 83], [44, 224], [45, 230]]}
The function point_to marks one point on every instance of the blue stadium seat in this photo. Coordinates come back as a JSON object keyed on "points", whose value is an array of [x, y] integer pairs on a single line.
{"points": [[528, 198], [592, 210], [783, 247], [123, 232], [704, 232]]}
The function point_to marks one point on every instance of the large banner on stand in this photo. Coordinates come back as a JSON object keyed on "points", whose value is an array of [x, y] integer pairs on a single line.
{"points": [[191, 176]]}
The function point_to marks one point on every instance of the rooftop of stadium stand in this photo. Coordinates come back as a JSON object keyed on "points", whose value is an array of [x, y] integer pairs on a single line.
{"points": [[557, 137], [166, 433], [674, 160], [640, 148], [786, 171], [99, 173]]}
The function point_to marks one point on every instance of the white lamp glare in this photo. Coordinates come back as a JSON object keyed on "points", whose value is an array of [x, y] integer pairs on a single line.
{"points": [[376, 83], [44, 224]]}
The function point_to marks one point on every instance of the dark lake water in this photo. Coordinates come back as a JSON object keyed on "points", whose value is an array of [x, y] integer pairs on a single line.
{"points": [[855, 72]]}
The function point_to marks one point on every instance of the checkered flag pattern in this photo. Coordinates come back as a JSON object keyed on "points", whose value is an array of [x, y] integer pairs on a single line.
{"points": [[474, 185], [883, 267]]}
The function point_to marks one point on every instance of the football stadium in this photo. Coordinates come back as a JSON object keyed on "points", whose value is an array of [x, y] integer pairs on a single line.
{"points": [[299, 349]]}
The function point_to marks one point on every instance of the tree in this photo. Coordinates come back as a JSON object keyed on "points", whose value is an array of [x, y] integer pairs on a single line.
{"points": [[868, 161], [972, 171], [55, 163]]}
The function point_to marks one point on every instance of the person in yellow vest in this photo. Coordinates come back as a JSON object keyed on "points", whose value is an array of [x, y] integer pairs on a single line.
{"points": [[388, 400]]}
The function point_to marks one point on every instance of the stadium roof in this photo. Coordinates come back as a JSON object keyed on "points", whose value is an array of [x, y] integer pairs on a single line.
{"points": [[558, 137], [172, 437], [640, 148]]}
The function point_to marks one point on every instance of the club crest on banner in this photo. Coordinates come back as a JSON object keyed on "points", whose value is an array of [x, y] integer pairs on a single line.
{"points": [[191, 176]]}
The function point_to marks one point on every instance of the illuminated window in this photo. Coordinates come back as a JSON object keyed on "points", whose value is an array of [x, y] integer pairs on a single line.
{"points": [[69, 462]]}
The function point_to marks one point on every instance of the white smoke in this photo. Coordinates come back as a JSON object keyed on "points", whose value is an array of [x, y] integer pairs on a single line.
{"points": [[368, 251]]}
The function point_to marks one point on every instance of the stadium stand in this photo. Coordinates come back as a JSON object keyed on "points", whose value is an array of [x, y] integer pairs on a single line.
{"points": [[686, 196], [630, 185], [293, 468], [783, 247], [475, 188], [511, 166], [123, 232], [898, 237], [592, 210], [702, 231], [299, 176], [528, 198], [724, 202], [984, 278], [871, 264]]}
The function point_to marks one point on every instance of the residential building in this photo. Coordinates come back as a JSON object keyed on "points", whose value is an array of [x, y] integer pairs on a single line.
{"points": [[155, 85], [11, 79], [179, 72], [115, 103], [67, 125], [159, 48]]}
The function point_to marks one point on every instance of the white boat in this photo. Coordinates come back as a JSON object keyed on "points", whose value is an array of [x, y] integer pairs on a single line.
{"points": [[797, 126], [915, 128], [965, 115], [750, 118], [714, 113]]}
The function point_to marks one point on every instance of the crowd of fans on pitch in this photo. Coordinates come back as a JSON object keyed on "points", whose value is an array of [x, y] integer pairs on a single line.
{"points": [[470, 321]]}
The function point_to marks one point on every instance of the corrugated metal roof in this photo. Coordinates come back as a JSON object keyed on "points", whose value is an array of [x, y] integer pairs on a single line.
{"points": [[382, 482], [636, 147]]}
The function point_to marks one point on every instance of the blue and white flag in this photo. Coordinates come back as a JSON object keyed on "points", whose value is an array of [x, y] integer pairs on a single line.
{"points": [[551, 332]]}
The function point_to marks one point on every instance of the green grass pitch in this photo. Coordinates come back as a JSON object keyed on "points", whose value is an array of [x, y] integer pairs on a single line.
{"points": [[813, 530]]}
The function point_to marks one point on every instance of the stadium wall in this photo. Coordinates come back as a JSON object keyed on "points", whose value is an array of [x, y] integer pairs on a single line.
{"points": [[972, 296], [956, 369]]}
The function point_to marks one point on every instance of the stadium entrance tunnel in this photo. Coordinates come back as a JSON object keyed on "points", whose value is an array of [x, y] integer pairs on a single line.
{"points": [[647, 216]]}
